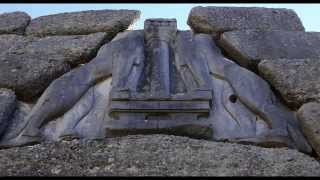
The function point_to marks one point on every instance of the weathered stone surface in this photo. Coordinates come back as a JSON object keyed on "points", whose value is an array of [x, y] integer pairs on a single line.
{"points": [[86, 119], [157, 101], [83, 22], [154, 155], [30, 64], [14, 22], [246, 110], [220, 19], [17, 121], [7, 108], [11, 41], [249, 47], [297, 80], [309, 117], [242, 109], [159, 35]]}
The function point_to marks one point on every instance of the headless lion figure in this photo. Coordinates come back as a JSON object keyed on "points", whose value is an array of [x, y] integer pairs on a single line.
{"points": [[64, 92]]}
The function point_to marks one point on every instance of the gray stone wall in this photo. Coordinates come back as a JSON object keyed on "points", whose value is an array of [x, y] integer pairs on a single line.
{"points": [[241, 76]]}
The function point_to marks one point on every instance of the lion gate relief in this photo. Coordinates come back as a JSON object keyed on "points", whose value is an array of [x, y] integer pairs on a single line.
{"points": [[160, 80]]}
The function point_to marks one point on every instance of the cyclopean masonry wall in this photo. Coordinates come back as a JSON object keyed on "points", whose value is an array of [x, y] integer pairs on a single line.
{"points": [[93, 82]]}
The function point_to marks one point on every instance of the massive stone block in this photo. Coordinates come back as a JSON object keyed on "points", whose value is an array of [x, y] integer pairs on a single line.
{"points": [[297, 80], [154, 155], [213, 20], [11, 41], [83, 22], [14, 22], [249, 47], [7, 108], [29, 64], [309, 117]]}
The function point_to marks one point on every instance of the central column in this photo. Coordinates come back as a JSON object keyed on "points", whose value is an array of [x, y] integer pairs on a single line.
{"points": [[159, 34]]}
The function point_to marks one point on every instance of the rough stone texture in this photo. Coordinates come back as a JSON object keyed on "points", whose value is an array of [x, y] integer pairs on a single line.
{"points": [[297, 80], [309, 116], [154, 155], [250, 46], [76, 104], [255, 116], [220, 19], [17, 120], [244, 107], [83, 22], [7, 107], [30, 64], [14, 22], [11, 41]]}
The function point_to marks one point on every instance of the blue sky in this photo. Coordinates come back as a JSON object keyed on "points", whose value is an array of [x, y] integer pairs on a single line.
{"points": [[308, 13]]}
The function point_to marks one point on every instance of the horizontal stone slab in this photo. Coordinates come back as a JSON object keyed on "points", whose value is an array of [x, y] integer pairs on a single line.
{"points": [[30, 64], [154, 155], [249, 47], [195, 95], [14, 22], [183, 124], [220, 19], [160, 106], [83, 22]]}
